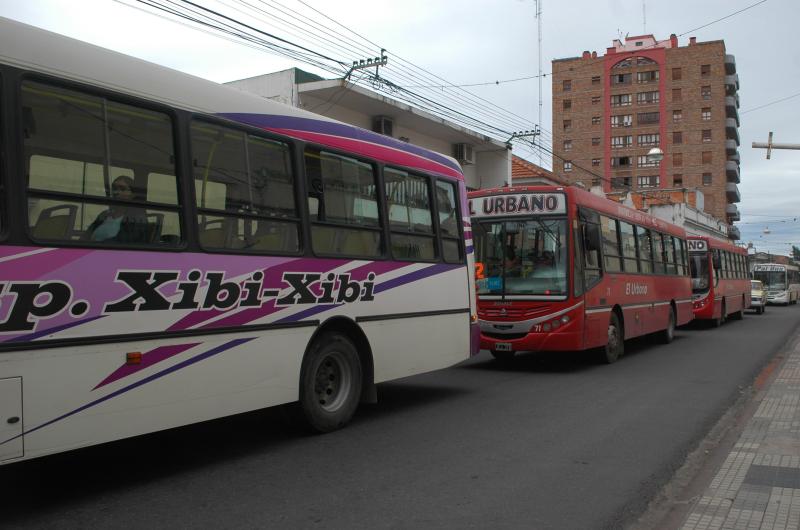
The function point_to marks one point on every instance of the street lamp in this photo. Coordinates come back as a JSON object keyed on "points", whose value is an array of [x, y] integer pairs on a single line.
{"points": [[655, 155]]}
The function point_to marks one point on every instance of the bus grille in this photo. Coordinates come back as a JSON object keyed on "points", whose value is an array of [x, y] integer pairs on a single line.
{"points": [[511, 313]]}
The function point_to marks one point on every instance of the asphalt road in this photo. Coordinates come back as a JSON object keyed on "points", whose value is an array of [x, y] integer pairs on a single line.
{"points": [[551, 441]]}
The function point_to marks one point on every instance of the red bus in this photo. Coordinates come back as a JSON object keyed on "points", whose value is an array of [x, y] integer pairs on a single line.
{"points": [[720, 282], [559, 268]]}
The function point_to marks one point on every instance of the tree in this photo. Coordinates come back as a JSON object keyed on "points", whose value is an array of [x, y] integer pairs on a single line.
{"points": [[795, 253]]}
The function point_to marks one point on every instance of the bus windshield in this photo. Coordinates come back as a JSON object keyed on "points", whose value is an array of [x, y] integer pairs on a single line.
{"points": [[698, 264], [527, 257], [772, 280]]}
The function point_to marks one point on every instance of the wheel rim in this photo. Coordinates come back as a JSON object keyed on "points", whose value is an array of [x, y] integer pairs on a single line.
{"points": [[332, 382]]}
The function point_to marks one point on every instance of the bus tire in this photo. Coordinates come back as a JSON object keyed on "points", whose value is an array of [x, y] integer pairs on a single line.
{"points": [[717, 322], [668, 334], [739, 315], [615, 345], [330, 382]]}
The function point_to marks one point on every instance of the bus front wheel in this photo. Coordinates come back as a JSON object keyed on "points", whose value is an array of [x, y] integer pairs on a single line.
{"points": [[717, 322], [330, 382], [615, 345]]}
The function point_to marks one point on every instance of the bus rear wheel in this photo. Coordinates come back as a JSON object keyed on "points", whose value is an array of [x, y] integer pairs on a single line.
{"points": [[330, 382], [717, 322], [615, 345]]}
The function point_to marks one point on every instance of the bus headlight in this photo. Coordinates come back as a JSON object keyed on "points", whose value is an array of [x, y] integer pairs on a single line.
{"points": [[565, 319]]}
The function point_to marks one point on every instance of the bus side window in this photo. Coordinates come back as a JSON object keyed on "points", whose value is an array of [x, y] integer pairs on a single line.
{"points": [[611, 250], [590, 239], [343, 199], [244, 191], [449, 222], [97, 189], [658, 253], [645, 248], [410, 221]]}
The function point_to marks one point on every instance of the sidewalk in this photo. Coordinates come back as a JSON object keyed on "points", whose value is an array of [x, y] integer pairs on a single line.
{"points": [[758, 485]]}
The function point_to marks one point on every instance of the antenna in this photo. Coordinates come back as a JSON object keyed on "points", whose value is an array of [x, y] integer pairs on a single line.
{"points": [[644, 18]]}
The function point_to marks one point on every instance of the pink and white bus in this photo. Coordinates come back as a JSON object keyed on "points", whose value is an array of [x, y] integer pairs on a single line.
{"points": [[173, 251]]}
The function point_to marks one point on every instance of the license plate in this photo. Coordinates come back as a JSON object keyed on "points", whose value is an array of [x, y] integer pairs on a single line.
{"points": [[502, 346]]}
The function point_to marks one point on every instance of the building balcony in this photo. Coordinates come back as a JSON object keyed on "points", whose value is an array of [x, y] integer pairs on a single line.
{"points": [[732, 192], [732, 130], [732, 171], [731, 84], [730, 64], [733, 212], [734, 158], [733, 233], [731, 108], [731, 147]]}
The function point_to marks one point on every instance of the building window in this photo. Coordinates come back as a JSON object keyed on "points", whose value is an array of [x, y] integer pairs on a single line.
{"points": [[647, 98], [706, 135], [567, 165], [705, 114], [676, 94], [647, 77], [677, 159], [622, 120], [677, 115], [677, 137], [567, 125], [620, 183], [621, 161], [650, 181], [595, 120], [644, 60], [676, 74], [595, 161], [707, 157], [596, 141], [647, 118], [595, 181], [567, 145], [596, 80], [706, 179], [620, 100], [677, 180], [595, 100], [621, 79], [705, 92], [649, 140], [567, 104], [645, 161], [705, 70], [618, 142], [623, 64], [566, 85]]}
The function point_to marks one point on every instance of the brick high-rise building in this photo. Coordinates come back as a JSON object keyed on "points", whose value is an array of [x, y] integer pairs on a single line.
{"points": [[610, 110]]}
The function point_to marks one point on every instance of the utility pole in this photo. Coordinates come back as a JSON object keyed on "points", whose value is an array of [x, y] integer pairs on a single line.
{"points": [[769, 146], [539, 20]]}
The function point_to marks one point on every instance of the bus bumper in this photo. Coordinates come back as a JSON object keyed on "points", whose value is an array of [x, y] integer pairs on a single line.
{"points": [[474, 339], [561, 340]]}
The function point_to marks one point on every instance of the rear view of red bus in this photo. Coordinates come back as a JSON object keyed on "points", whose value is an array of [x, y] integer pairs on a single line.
{"points": [[720, 284], [561, 269]]}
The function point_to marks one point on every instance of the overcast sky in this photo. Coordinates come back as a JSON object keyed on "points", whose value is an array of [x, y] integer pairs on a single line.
{"points": [[477, 41]]}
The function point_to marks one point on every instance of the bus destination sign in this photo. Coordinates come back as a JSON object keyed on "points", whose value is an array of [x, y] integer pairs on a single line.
{"points": [[697, 245], [768, 268], [518, 204]]}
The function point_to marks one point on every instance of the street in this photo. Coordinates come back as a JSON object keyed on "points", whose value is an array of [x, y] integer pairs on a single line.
{"points": [[549, 441]]}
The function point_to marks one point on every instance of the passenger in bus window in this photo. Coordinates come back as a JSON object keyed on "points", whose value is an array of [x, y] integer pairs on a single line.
{"points": [[120, 223]]}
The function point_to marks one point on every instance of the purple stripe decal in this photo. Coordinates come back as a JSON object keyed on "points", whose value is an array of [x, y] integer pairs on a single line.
{"points": [[338, 129], [414, 276], [48, 331], [137, 384], [148, 359]]}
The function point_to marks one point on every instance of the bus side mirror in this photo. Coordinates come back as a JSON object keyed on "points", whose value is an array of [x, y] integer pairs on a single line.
{"points": [[591, 237], [716, 260]]}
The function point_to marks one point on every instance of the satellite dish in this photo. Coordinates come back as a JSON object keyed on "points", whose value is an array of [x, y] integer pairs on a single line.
{"points": [[767, 230]]}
